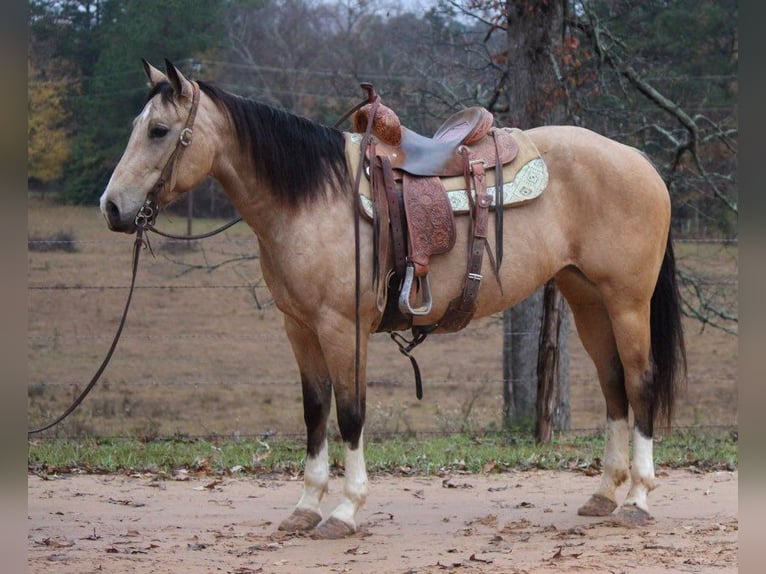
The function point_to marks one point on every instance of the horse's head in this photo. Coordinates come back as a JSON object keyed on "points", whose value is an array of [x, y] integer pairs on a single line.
{"points": [[160, 161]]}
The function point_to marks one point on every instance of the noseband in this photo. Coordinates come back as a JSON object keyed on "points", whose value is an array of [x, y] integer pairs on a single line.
{"points": [[167, 180]]}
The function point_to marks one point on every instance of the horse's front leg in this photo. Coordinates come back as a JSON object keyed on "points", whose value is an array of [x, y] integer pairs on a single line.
{"points": [[317, 396], [339, 351]]}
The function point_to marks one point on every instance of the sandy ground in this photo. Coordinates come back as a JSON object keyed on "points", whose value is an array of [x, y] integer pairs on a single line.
{"points": [[515, 522]]}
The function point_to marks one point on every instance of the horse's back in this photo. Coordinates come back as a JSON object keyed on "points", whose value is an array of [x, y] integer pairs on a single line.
{"points": [[592, 172], [586, 152]]}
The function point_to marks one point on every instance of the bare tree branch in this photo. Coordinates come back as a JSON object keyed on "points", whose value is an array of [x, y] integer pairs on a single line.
{"points": [[604, 42]]}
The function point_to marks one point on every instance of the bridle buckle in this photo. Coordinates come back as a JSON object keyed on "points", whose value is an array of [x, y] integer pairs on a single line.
{"points": [[185, 137], [147, 214]]}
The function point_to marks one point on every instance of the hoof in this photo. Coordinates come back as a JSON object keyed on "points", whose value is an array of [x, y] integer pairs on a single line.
{"points": [[333, 528], [632, 516], [301, 520], [597, 505]]}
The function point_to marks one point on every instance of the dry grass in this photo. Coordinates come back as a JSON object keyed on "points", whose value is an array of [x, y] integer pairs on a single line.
{"points": [[205, 353]]}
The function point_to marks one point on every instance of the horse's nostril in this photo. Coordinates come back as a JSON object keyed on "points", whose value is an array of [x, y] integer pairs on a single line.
{"points": [[112, 213]]}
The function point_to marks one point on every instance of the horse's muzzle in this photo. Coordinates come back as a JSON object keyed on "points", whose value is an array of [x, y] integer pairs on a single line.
{"points": [[116, 220]]}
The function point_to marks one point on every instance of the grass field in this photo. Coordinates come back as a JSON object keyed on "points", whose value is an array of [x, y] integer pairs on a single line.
{"points": [[702, 450], [204, 352]]}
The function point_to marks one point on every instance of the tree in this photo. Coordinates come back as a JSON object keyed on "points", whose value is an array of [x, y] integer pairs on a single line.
{"points": [[659, 75], [49, 144], [526, 92]]}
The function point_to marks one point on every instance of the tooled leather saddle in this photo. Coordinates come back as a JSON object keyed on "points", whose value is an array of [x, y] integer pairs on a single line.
{"points": [[411, 211]]}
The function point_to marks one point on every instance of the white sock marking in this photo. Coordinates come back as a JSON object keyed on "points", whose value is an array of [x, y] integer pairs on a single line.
{"points": [[355, 487], [316, 476]]}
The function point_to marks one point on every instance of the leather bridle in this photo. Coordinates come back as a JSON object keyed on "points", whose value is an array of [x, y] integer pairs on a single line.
{"points": [[147, 215]]}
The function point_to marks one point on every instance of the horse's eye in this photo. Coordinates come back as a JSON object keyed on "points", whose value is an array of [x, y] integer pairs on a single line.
{"points": [[158, 131]]}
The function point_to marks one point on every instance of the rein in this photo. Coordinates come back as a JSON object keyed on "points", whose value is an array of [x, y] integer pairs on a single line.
{"points": [[144, 221], [137, 245], [374, 100]]}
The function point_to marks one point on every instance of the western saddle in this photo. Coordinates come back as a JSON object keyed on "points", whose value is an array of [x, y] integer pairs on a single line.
{"points": [[412, 214]]}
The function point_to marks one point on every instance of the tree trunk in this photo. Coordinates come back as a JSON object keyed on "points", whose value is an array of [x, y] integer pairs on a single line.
{"points": [[521, 328], [533, 32], [548, 362]]}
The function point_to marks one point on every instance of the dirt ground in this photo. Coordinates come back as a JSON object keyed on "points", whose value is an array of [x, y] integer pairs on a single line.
{"points": [[516, 522]]}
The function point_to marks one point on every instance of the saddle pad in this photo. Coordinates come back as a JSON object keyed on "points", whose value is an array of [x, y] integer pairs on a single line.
{"points": [[524, 179]]}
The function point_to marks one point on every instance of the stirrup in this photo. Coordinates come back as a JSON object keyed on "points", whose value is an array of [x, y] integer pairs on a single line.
{"points": [[404, 296]]}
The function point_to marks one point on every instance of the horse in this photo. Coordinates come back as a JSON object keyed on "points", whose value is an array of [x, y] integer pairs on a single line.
{"points": [[601, 231]]}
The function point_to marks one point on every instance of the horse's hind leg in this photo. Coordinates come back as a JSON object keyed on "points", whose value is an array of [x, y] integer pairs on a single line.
{"points": [[317, 398], [632, 333], [595, 330], [614, 328]]}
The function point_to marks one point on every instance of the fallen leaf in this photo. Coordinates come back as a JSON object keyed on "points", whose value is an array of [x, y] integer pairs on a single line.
{"points": [[473, 558], [208, 486], [57, 543], [126, 502], [447, 483], [93, 536]]}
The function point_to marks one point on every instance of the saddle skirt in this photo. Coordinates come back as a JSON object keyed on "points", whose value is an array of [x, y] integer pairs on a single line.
{"points": [[524, 179]]}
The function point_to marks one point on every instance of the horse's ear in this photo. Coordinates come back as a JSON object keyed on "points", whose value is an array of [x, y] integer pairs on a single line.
{"points": [[154, 75], [181, 86]]}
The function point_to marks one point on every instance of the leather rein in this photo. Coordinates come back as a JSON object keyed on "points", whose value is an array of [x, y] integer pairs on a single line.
{"points": [[145, 219]]}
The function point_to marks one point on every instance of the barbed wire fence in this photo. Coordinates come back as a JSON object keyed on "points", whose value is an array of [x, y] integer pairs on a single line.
{"points": [[174, 376]]}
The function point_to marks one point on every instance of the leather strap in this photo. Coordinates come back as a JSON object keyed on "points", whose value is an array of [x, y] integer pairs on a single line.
{"points": [[168, 174], [461, 308], [380, 230], [395, 209], [137, 245], [375, 102], [498, 204]]}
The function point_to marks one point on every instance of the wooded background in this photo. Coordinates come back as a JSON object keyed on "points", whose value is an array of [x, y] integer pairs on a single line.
{"points": [[659, 74]]}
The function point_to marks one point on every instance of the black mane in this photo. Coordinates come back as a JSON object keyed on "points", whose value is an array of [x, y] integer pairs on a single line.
{"points": [[296, 157]]}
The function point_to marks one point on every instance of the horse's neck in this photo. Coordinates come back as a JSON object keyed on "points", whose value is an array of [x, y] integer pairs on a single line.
{"points": [[247, 193], [280, 227], [294, 240]]}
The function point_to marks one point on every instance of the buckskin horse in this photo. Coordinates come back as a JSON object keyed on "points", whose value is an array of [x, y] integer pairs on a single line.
{"points": [[601, 230]]}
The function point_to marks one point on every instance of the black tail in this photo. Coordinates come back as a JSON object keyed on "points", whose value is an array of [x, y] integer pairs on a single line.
{"points": [[668, 349]]}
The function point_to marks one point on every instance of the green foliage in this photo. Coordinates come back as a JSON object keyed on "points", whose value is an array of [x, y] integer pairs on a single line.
{"points": [[107, 39]]}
